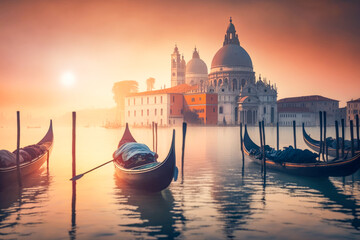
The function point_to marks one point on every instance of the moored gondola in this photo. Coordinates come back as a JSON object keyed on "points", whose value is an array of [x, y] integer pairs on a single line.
{"points": [[341, 167], [31, 165], [152, 177], [315, 145]]}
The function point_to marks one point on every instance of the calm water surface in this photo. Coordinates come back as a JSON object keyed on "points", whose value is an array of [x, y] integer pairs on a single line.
{"points": [[217, 199]]}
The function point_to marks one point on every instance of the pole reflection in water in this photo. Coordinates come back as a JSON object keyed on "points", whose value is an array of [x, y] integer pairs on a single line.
{"points": [[21, 208], [152, 214], [72, 232]]}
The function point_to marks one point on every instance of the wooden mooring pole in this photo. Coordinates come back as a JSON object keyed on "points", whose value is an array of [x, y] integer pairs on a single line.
{"points": [[294, 130], [183, 149], [325, 149], [352, 137], [241, 144], [261, 144], [156, 138], [153, 134], [343, 137], [264, 144], [337, 138], [277, 136], [18, 149], [72, 232], [357, 131], [321, 135], [73, 144]]}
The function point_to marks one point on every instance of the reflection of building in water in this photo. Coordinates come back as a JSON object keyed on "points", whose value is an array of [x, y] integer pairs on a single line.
{"points": [[240, 96], [306, 109]]}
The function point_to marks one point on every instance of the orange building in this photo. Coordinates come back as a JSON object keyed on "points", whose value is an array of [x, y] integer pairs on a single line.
{"points": [[205, 105]]}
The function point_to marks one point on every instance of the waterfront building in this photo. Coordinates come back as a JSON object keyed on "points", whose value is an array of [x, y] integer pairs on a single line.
{"points": [[204, 105], [352, 109], [165, 106], [305, 109]]}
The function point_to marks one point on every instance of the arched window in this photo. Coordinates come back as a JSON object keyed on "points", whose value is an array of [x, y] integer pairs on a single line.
{"points": [[220, 82], [220, 110], [249, 90], [215, 83], [226, 82], [234, 84]]}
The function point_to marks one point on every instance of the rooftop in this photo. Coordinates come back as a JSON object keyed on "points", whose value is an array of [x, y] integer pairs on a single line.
{"points": [[354, 100], [311, 98], [182, 88]]}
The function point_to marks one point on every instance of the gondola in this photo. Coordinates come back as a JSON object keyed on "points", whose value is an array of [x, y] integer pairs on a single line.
{"points": [[153, 177], [315, 145], [341, 167], [28, 167]]}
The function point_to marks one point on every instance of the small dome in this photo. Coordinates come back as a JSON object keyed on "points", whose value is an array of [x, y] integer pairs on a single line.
{"points": [[196, 65], [231, 55]]}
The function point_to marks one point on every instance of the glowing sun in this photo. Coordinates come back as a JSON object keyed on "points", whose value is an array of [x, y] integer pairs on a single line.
{"points": [[67, 79]]}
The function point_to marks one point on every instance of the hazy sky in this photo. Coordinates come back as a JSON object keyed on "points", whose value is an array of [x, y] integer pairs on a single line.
{"points": [[305, 47]]}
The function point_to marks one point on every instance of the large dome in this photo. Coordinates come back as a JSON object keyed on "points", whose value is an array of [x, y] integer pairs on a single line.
{"points": [[231, 55]]}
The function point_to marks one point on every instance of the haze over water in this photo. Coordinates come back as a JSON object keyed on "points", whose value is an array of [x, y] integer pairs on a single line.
{"points": [[216, 200]]}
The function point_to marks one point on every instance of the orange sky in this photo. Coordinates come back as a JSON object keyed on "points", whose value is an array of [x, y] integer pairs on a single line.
{"points": [[304, 47]]}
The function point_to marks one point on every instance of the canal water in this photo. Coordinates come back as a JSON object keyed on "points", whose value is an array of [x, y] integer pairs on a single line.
{"points": [[218, 198]]}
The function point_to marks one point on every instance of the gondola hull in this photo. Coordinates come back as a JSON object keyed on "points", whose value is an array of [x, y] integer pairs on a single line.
{"points": [[319, 169], [315, 145], [153, 179], [10, 173]]}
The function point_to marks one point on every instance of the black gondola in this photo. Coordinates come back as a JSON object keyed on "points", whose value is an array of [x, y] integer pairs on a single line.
{"points": [[28, 167], [343, 167], [152, 177]]}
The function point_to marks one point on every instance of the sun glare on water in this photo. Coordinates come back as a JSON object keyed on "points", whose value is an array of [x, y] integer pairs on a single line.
{"points": [[67, 79]]}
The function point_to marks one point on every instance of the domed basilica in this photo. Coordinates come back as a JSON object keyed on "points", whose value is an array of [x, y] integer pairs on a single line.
{"points": [[241, 97]]}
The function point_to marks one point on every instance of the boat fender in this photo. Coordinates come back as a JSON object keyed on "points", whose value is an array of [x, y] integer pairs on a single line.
{"points": [[176, 173]]}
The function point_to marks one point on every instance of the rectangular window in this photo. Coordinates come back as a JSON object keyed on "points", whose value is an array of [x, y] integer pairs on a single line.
{"points": [[148, 112], [161, 112], [161, 99], [170, 111], [142, 112], [213, 109], [173, 98]]}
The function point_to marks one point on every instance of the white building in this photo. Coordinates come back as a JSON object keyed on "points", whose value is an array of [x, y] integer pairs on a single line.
{"points": [[163, 106], [305, 109]]}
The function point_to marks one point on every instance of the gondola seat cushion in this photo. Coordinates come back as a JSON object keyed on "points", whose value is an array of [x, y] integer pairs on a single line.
{"points": [[8, 159], [133, 154]]}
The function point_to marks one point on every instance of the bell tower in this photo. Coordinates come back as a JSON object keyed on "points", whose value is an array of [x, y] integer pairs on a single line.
{"points": [[178, 66]]}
